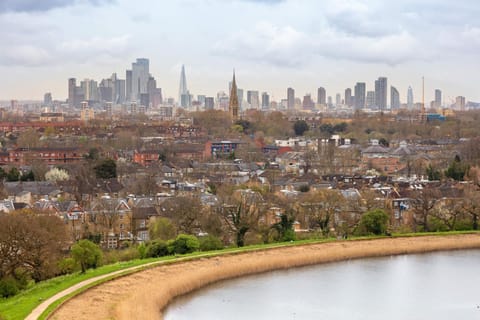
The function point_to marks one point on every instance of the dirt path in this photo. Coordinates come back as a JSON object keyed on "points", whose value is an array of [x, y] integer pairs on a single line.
{"points": [[144, 294]]}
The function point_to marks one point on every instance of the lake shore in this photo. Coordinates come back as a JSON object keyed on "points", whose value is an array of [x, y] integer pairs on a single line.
{"points": [[145, 294]]}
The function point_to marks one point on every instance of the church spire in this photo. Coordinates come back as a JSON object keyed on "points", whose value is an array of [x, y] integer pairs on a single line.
{"points": [[233, 104]]}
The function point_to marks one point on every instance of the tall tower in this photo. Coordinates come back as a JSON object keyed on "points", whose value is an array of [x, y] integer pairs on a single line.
{"points": [[394, 98], [182, 90], [321, 96], [410, 98], [233, 103], [72, 85], [381, 93], [290, 99], [359, 92]]}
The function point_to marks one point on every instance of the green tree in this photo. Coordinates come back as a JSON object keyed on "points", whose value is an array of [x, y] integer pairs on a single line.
{"points": [[210, 242], [432, 173], [284, 227], [300, 126], [185, 243], [162, 229], [374, 222], [107, 169], [13, 174], [457, 169], [87, 254]]}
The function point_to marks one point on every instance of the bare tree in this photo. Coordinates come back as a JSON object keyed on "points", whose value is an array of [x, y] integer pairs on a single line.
{"points": [[423, 203], [471, 204], [185, 212]]}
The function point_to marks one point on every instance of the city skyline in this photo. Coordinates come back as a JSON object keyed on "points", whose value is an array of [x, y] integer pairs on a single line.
{"points": [[335, 45]]}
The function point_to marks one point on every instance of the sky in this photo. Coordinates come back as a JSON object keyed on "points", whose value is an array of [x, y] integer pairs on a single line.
{"points": [[271, 44]]}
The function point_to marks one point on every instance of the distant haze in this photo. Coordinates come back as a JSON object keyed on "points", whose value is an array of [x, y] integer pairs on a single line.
{"points": [[272, 45]]}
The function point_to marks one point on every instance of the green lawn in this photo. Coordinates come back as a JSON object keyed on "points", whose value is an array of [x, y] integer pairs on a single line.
{"points": [[19, 306]]}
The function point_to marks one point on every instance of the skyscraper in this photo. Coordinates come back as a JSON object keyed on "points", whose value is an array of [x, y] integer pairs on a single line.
{"points": [[381, 93], [265, 101], [233, 103], [348, 97], [370, 99], [47, 98], [394, 98], [253, 99], [321, 96], [128, 85], [338, 99], [410, 98], [183, 90], [359, 95], [438, 98], [72, 85], [140, 75], [290, 99]]}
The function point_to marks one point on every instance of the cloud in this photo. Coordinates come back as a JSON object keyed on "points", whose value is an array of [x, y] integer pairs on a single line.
{"points": [[43, 5]]}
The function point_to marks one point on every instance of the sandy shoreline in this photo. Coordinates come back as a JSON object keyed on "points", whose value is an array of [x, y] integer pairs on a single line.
{"points": [[144, 294]]}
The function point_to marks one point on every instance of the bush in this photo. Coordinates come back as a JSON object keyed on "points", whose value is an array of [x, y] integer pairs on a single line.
{"points": [[185, 244], [373, 222], [209, 243], [142, 251], [8, 287], [157, 248], [67, 265], [87, 254]]}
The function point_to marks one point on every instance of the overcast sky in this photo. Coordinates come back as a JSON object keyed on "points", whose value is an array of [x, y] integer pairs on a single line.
{"points": [[272, 44]]}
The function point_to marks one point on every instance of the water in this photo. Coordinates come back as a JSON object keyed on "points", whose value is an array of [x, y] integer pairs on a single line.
{"points": [[442, 285]]}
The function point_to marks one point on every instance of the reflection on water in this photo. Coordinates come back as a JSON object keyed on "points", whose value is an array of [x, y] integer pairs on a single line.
{"points": [[444, 285]]}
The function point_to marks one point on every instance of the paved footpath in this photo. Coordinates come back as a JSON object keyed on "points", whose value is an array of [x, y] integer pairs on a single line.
{"points": [[45, 304]]}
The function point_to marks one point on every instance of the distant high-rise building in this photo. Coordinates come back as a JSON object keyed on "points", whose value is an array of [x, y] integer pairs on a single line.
{"points": [[72, 91], [233, 103], [348, 97], [128, 85], [265, 100], [460, 103], [290, 99], [394, 98], [240, 98], [359, 92], [370, 102], [47, 99], [89, 89], [338, 99], [140, 75], [438, 98], [381, 93], [410, 98], [329, 101], [183, 90], [321, 96], [253, 99], [307, 103], [209, 103]]}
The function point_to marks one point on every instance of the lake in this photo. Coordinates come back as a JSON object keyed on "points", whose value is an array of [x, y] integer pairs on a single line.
{"points": [[441, 285]]}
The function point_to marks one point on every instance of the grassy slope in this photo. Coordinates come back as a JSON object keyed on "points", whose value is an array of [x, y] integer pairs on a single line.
{"points": [[19, 306]]}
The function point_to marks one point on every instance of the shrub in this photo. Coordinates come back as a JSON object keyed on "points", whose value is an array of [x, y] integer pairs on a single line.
{"points": [[210, 242], [185, 243], [87, 254], [373, 222], [142, 251], [67, 265], [157, 248], [8, 287]]}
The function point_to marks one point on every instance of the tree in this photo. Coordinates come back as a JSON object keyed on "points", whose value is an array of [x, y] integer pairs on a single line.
{"points": [[185, 243], [284, 227], [31, 242], [13, 174], [471, 204], [107, 169], [87, 254], [162, 229], [374, 222], [457, 169], [56, 174], [432, 173], [300, 126], [423, 203], [185, 212]]}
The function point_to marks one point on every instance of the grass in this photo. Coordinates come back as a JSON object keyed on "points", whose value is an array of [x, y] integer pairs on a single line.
{"points": [[19, 306]]}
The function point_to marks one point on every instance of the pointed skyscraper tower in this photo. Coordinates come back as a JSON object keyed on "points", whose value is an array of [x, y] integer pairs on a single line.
{"points": [[183, 91], [233, 104]]}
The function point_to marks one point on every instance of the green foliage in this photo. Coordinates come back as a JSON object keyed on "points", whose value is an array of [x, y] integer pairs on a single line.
{"points": [[157, 248], [107, 169], [210, 242], [284, 228], [374, 222], [329, 129], [87, 254], [142, 251], [8, 287], [245, 125], [13, 174], [67, 265], [300, 126], [383, 142], [3, 174], [432, 173], [92, 154], [162, 229], [28, 176], [185, 243], [457, 169], [304, 188]]}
